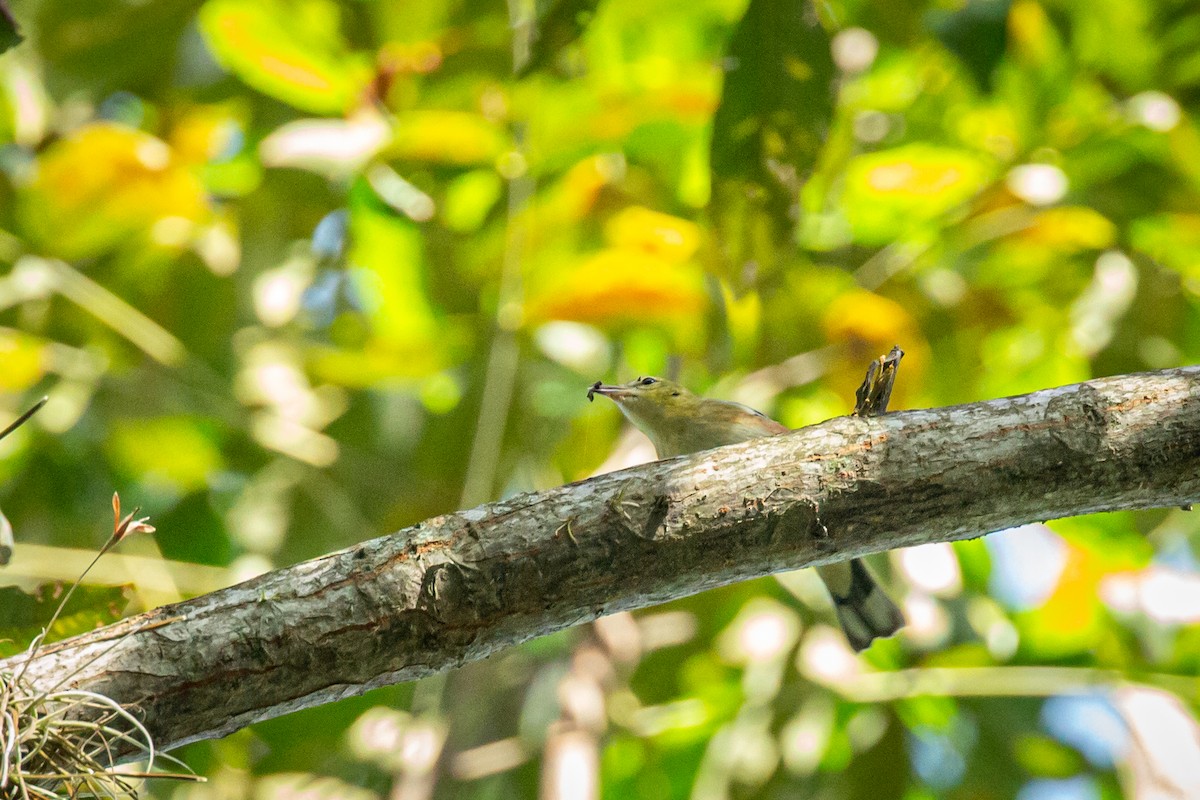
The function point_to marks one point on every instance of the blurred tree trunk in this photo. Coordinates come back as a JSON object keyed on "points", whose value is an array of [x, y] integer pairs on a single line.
{"points": [[462, 586]]}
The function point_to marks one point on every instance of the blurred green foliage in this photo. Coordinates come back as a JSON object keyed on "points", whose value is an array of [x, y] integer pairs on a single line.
{"points": [[23, 615], [291, 270]]}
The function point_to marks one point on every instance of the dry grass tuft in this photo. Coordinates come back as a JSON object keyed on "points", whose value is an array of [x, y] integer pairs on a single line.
{"points": [[60, 744]]}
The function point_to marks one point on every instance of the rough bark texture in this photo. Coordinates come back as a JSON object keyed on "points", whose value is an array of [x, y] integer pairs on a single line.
{"points": [[459, 587]]}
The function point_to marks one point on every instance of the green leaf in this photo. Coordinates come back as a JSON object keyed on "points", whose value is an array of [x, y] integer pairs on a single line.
{"points": [[292, 51], [387, 253], [24, 615], [1173, 240], [890, 193], [1042, 756], [175, 454], [775, 111], [408, 338]]}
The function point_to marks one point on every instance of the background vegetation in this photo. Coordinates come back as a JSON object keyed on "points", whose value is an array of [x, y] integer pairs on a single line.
{"points": [[296, 273]]}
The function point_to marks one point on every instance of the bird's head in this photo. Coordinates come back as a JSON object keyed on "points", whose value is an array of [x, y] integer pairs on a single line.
{"points": [[649, 403]]}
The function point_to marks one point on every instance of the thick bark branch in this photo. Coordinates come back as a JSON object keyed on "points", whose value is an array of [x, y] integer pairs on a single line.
{"points": [[459, 587]]}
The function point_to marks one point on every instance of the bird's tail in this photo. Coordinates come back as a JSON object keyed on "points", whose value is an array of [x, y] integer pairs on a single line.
{"points": [[863, 610]]}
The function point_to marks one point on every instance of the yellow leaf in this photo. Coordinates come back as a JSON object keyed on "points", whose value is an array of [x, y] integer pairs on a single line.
{"points": [[671, 238], [1031, 32], [869, 322], [1071, 228], [378, 361], [865, 326], [1072, 619], [576, 193], [622, 285], [104, 183], [202, 134], [561, 205], [447, 137], [24, 358], [743, 320]]}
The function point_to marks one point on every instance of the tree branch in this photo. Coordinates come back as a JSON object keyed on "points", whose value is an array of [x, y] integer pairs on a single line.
{"points": [[459, 587]]}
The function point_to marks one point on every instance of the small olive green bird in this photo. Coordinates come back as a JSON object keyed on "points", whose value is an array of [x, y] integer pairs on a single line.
{"points": [[678, 422]]}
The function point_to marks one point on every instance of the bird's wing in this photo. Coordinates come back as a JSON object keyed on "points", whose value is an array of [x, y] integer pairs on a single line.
{"points": [[753, 418]]}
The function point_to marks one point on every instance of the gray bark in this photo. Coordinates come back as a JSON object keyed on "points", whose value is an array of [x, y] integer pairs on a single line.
{"points": [[461, 586]]}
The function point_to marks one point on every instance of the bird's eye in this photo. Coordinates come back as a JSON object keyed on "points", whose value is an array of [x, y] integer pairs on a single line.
{"points": [[648, 381]]}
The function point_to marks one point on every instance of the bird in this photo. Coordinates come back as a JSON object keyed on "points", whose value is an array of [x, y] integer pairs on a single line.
{"points": [[678, 422]]}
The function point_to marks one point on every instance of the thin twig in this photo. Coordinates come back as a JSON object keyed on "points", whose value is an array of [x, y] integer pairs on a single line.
{"points": [[21, 420]]}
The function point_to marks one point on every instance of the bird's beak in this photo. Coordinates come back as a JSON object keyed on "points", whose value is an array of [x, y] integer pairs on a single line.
{"points": [[613, 392]]}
